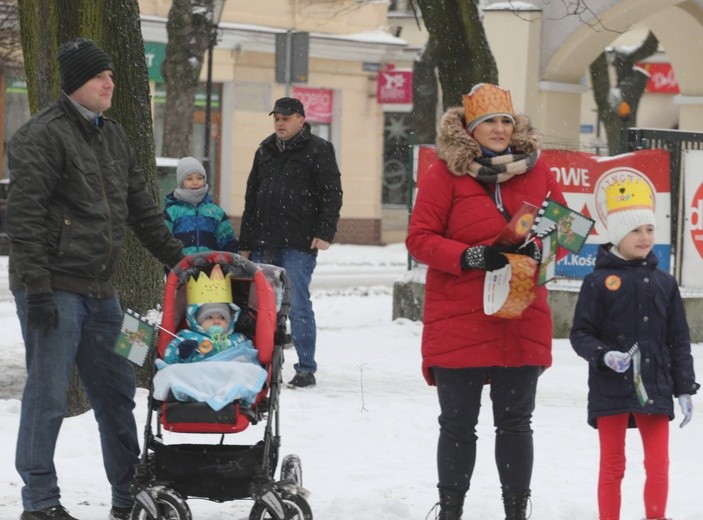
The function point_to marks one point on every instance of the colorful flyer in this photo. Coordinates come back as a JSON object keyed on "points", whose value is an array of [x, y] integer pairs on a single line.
{"points": [[519, 226], [136, 337], [641, 392]]}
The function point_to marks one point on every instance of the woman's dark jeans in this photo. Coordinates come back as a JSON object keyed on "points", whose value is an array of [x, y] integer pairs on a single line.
{"points": [[512, 391]]}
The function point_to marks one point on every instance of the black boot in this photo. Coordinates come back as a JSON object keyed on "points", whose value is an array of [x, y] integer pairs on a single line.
{"points": [[451, 504], [515, 504]]}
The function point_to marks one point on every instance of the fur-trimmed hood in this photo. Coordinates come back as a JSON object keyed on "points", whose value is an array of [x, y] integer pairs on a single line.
{"points": [[458, 149]]}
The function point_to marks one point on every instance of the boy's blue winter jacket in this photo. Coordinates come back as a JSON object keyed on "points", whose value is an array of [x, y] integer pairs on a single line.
{"points": [[203, 227], [625, 302]]}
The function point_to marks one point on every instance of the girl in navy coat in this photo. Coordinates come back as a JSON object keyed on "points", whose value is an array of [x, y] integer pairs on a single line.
{"points": [[631, 327]]}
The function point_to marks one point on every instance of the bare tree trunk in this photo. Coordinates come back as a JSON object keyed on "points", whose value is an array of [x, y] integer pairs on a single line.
{"points": [[39, 26], [188, 38], [423, 118], [462, 53], [139, 276], [617, 105]]}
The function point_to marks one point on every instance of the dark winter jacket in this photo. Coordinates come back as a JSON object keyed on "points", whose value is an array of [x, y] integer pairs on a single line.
{"points": [[625, 302], [201, 227], [292, 196], [452, 212], [74, 187]]}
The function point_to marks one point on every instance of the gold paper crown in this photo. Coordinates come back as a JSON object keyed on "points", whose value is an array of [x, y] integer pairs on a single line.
{"points": [[632, 193], [486, 99], [216, 288]]}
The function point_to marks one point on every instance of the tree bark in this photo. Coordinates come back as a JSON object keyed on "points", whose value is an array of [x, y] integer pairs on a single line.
{"points": [[463, 55], [188, 39], [423, 118], [38, 27]]}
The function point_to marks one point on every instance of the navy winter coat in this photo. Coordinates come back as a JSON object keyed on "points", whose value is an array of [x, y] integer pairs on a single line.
{"points": [[292, 196], [625, 302]]}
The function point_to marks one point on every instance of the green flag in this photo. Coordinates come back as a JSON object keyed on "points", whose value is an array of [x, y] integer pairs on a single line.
{"points": [[547, 266], [572, 227], [136, 338]]}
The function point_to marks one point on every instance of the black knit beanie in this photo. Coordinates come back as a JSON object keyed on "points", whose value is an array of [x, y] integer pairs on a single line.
{"points": [[79, 61]]}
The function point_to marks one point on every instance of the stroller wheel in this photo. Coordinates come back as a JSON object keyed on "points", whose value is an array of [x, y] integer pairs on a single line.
{"points": [[292, 469], [171, 507], [296, 508]]}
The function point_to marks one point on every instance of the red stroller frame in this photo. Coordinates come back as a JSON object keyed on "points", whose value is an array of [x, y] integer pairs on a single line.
{"points": [[167, 475]]}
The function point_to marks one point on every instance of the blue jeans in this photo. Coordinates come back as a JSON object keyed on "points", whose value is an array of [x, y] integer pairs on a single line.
{"points": [[513, 391], [299, 267], [88, 328]]}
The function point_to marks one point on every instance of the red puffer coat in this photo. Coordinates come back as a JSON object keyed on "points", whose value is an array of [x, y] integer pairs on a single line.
{"points": [[453, 211]]}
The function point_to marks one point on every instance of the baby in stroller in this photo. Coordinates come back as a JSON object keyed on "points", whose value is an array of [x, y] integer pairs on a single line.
{"points": [[232, 370], [168, 474]]}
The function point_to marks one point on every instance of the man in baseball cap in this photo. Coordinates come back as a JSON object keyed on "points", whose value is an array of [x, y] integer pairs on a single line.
{"points": [[291, 210], [288, 106]]}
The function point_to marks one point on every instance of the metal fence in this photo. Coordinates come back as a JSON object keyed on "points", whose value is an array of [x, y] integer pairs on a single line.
{"points": [[677, 142]]}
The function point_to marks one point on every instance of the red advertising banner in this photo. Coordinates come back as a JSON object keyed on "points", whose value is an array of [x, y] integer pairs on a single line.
{"points": [[395, 86], [317, 103], [662, 79], [584, 178]]}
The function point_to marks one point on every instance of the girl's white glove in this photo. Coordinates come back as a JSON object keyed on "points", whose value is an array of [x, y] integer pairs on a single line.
{"points": [[686, 408], [617, 361]]}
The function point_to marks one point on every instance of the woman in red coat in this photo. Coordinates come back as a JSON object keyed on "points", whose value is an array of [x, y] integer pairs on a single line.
{"points": [[489, 166]]}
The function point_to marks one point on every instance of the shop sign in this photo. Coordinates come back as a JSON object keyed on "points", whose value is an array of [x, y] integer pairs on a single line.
{"points": [[317, 103], [395, 87], [662, 79]]}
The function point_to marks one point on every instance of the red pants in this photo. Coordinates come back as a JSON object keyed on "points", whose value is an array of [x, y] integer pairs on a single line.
{"points": [[654, 430]]}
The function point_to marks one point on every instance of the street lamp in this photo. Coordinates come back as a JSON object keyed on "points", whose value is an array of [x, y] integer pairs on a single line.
{"points": [[217, 8]]}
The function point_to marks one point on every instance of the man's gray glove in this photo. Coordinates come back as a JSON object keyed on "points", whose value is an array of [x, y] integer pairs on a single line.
{"points": [[42, 314]]}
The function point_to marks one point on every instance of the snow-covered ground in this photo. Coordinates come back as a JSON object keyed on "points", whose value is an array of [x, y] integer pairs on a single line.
{"points": [[367, 433]]}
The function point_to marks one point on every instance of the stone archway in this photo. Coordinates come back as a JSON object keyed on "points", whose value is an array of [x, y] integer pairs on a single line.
{"points": [[549, 88]]}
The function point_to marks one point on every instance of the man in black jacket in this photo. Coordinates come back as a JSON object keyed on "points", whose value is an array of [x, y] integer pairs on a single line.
{"points": [[74, 187], [291, 210]]}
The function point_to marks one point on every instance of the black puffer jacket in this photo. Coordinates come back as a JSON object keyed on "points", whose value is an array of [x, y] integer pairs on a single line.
{"points": [[623, 302], [292, 196], [74, 187]]}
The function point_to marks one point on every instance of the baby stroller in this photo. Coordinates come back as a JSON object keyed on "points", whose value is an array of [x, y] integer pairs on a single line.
{"points": [[167, 475]]}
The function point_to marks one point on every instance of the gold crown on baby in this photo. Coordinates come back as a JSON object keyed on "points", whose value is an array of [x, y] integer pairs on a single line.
{"points": [[487, 99], [216, 288], [632, 193]]}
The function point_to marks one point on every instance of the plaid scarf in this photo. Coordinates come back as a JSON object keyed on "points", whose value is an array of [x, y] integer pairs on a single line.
{"points": [[494, 170]]}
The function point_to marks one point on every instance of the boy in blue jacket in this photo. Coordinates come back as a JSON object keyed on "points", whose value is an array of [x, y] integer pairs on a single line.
{"points": [[193, 217], [631, 327]]}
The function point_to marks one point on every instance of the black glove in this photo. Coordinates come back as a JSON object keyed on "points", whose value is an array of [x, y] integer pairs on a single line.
{"points": [[186, 348], [532, 249], [42, 314], [488, 258]]}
